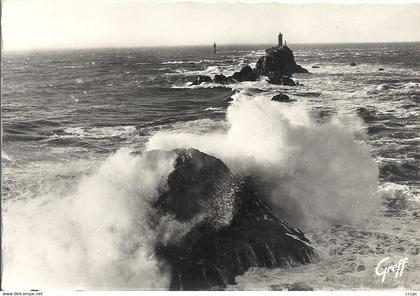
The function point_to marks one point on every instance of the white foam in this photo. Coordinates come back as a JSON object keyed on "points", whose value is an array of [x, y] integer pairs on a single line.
{"points": [[406, 197], [98, 132], [95, 238], [315, 173]]}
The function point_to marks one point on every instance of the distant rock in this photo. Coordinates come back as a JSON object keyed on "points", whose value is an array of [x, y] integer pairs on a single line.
{"points": [[278, 65], [275, 78], [278, 61], [288, 81], [225, 227], [222, 79], [308, 94], [381, 69], [202, 79], [281, 98], [315, 66], [352, 64], [246, 74]]}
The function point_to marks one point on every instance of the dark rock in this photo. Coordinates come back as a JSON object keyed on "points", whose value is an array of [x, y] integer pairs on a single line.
{"points": [[353, 64], [299, 286], [202, 79], [280, 61], [228, 227], [315, 66], [361, 267], [281, 98], [381, 69], [195, 178], [308, 94], [275, 78], [246, 74], [288, 81], [277, 287], [252, 91], [222, 79]]}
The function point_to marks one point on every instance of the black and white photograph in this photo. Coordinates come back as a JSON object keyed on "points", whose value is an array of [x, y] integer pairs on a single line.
{"points": [[222, 145]]}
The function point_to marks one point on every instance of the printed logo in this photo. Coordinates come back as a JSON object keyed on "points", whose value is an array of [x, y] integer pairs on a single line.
{"points": [[382, 269]]}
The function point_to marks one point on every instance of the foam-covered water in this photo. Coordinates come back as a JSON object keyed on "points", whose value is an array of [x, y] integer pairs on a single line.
{"points": [[340, 161]]}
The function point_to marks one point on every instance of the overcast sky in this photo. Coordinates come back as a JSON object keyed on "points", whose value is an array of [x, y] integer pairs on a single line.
{"points": [[34, 24]]}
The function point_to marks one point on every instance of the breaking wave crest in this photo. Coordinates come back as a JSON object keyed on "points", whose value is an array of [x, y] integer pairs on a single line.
{"points": [[399, 197], [312, 174], [95, 238]]}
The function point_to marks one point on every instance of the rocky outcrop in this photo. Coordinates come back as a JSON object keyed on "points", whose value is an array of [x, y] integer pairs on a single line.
{"points": [[281, 98], [278, 61], [278, 65], [227, 228], [275, 78], [246, 74], [202, 79], [222, 79]]}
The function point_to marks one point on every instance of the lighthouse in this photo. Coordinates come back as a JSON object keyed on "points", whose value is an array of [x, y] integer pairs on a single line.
{"points": [[280, 39]]}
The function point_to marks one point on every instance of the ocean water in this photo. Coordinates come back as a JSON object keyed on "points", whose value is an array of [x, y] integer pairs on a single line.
{"points": [[341, 161]]}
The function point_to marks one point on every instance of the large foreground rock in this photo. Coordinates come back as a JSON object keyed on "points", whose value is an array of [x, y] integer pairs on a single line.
{"points": [[226, 227]]}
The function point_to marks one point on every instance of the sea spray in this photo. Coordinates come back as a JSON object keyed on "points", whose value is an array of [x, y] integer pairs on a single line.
{"points": [[312, 174], [399, 197], [95, 238]]}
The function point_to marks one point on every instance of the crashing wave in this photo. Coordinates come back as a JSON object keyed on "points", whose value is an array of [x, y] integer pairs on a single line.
{"points": [[302, 165]]}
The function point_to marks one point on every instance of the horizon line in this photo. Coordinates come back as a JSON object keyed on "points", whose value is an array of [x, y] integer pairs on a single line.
{"points": [[16, 50]]}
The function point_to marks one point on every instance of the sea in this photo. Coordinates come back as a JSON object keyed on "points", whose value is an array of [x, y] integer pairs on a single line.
{"points": [[342, 158]]}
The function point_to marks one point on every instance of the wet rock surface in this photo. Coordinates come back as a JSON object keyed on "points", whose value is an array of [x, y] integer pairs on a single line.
{"points": [[229, 228]]}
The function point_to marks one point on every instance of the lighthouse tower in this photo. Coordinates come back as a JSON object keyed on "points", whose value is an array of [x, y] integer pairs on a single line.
{"points": [[280, 39]]}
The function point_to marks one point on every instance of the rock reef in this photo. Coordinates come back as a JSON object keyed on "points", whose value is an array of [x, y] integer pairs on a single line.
{"points": [[227, 228], [278, 65], [279, 60]]}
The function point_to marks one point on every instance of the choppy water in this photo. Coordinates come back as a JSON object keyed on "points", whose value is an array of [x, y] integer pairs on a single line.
{"points": [[73, 196]]}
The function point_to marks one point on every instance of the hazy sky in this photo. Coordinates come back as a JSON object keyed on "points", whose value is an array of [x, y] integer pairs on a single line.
{"points": [[30, 24]]}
